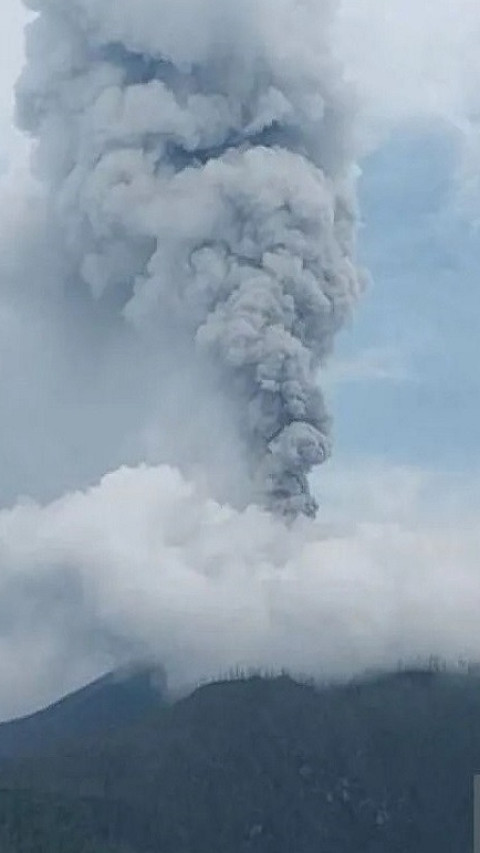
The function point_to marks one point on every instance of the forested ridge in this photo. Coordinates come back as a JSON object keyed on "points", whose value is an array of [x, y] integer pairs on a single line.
{"points": [[382, 765]]}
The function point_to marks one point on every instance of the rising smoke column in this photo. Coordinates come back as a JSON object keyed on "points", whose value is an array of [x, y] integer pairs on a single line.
{"points": [[198, 156]]}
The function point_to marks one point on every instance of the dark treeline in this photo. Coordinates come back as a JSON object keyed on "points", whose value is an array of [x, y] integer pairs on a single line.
{"points": [[380, 765]]}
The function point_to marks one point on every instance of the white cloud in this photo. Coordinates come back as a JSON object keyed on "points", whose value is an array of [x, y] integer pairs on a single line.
{"points": [[143, 562], [413, 58], [417, 61], [12, 20]]}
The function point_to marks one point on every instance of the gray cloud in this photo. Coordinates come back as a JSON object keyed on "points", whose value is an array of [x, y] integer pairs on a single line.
{"points": [[199, 157]]}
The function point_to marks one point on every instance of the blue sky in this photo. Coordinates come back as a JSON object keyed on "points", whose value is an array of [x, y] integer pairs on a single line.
{"points": [[417, 399]]}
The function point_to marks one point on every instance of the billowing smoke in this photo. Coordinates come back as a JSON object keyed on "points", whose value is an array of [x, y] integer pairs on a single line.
{"points": [[143, 565], [198, 156]]}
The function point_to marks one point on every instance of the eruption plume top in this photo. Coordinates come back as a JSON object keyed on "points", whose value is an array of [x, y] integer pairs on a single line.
{"points": [[198, 155]]}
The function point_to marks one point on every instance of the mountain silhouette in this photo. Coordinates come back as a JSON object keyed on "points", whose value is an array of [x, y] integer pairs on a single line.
{"points": [[115, 700], [272, 765]]}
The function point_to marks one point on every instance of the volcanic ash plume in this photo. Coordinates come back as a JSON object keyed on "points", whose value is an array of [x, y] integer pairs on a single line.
{"points": [[198, 157]]}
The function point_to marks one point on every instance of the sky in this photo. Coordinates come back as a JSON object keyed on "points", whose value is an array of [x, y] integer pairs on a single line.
{"points": [[412, 346], [416, 333], [416, 68], [403, 385]]}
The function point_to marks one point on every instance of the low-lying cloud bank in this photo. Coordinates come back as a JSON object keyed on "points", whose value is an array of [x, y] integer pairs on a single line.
{"points": [[144, 564]]}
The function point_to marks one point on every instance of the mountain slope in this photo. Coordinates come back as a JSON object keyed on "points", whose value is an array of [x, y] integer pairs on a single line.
{"points": [[271, 766], [117, 699]]}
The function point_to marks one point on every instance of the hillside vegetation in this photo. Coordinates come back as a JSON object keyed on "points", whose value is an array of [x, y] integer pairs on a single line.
{"points": [[267, 765]]}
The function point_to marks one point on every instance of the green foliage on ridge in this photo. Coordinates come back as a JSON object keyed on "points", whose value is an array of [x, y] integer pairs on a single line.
{"points": [[382, 765]]}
